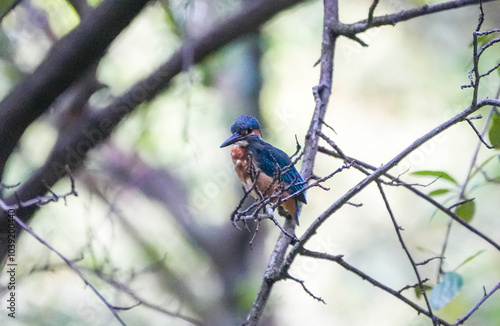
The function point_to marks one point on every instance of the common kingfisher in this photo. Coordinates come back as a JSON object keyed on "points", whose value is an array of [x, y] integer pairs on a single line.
{"points": [[253, 157]]}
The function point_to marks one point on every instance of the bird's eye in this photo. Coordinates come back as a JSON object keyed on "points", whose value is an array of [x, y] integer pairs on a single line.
{"points": [[247, 131]]}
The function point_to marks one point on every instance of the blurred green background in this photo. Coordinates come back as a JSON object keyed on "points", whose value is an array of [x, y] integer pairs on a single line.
{"points": [[180, 253]]}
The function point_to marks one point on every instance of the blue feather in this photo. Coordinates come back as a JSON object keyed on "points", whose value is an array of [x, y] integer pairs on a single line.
{"points": [[270, 159]]}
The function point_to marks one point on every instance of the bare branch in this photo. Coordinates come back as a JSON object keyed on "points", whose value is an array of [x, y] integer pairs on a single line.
{"points": [[425, 262], [426, 197], [383, 170], [404, 15], [476, 306], [339, 260], [41, 200], [410, 258], [271, 275], [72, 265], [301, 282], [416, 285], [478, 134], [67, 60], [140, 301]]}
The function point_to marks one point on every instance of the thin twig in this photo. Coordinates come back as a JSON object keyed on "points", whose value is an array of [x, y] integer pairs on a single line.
{"points": [[301, 282], [425, 262], [419, 285], [71, 265]]}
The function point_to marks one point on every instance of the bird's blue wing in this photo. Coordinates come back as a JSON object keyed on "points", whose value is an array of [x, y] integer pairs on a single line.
{"points": [[271, 158], [293, 177]]}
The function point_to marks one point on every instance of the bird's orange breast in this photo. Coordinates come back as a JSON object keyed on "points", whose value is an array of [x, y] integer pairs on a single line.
{"points": [[240, 159]]}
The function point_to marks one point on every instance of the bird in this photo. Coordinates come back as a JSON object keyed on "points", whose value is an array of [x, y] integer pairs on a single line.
{"points": [[253, 159]]}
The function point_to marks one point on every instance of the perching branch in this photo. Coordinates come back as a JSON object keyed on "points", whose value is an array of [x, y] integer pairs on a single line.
{"points": [[332, 29], [321, 94]]}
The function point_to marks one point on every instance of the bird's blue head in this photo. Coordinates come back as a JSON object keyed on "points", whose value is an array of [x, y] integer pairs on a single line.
{"points": [[243, 126]]}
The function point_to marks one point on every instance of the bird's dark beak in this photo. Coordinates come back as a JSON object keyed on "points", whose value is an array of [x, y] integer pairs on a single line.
{"points": [[231, 140]]}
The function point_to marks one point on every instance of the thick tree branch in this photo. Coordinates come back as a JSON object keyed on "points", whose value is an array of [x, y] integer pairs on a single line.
{"points": [[271, 275], [322, 96], [64, 64], [322, 91]]}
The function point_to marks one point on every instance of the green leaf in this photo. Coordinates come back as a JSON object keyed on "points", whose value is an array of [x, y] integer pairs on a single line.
{"points": [[446, 290], [470, 258], [466, 211], [438, 192], [439, 174], [494, 132]]}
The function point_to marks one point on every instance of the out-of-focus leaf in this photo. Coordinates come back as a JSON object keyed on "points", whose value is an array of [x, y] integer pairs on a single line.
{"points": [[470, 258], [438, 192], [466, 211], [418, 292], [482, 165], [494, 132], [446, 290], [439, 174]]}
